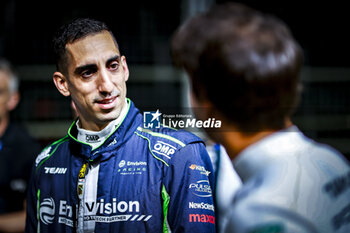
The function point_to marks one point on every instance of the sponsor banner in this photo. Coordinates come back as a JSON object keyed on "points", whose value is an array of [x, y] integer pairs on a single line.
{"points": [[94, 211]]}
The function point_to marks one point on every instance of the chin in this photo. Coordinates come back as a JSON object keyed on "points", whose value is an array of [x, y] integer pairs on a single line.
{"points": [[110, 116]]}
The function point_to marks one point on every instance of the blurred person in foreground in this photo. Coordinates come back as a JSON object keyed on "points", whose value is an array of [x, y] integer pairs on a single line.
{"points": [[110, 173], [244, 68], [17, 154]]}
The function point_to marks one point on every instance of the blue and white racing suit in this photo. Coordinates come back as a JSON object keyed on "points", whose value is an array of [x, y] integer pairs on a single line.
{"points": [[141, 180]]}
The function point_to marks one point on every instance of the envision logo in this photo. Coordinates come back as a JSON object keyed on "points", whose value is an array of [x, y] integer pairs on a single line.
{"points": [[47, 211], [122, 163]]}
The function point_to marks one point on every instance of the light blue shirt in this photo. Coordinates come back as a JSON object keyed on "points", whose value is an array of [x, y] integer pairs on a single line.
{"points": [[291, 184]]}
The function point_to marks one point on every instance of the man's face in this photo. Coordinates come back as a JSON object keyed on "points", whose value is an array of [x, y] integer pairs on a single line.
{"points": [[96, 79]]}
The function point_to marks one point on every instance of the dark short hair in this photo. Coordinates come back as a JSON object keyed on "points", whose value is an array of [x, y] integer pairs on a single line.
{"points": [[245, 62], [75, 30]]}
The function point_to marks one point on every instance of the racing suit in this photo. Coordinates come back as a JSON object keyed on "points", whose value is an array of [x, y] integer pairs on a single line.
{"points": [[141, 180], [291, 184]]}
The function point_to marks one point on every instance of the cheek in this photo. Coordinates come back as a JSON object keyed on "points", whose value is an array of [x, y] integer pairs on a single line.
{"points": [[121, 85]]}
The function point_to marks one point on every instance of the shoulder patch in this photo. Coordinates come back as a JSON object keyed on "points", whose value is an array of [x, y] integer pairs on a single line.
{"points": [[161, 145], [44, 154], [163, 148], [47, 152]]}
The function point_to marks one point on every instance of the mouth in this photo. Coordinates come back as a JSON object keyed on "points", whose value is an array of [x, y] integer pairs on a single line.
{"points": [[107, 103]]}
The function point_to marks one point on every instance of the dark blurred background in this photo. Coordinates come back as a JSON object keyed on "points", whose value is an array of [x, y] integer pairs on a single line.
{"points": [[143, 30]]}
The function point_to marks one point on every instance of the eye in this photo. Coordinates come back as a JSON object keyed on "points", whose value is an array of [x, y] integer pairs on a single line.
{"points": [[87, 73], [113, 65]]}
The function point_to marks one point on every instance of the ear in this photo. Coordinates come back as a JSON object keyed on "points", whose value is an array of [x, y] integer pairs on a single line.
{"points": [[61, 83], [13, 101], [125, 67]]}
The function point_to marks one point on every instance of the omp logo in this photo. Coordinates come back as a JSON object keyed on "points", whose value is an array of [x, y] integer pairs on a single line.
{"points": [[47, 211], [55, 170], [201, 188], [164, 149], [202, 218], [45, 153], [92, 138]]}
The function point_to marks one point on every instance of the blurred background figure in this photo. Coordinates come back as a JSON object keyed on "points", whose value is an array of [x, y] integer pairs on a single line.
{"points": [[244, 67], [17, 154]]}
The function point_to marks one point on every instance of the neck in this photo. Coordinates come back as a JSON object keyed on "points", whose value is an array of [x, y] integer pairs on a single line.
{"points": [[236, 141], [3, 125]]}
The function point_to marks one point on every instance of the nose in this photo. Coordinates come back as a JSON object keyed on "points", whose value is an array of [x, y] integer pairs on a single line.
{"points": [[105, 84]]}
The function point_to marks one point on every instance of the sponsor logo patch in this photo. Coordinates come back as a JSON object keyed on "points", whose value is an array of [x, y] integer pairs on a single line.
{"points": [[132, 167], [100, 211], [47, 211], [122, 163], [92, 138], [55, 170], [44, 154], [202, 218], [202, 205], [201, 188], [201, 169], [164, 149]]}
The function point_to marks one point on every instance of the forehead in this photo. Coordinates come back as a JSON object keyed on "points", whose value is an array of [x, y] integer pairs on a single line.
{"points": [[92, 48]]}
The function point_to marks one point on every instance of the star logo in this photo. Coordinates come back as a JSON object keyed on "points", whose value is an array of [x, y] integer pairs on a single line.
{"points": [[156, 115], [151, 119]]}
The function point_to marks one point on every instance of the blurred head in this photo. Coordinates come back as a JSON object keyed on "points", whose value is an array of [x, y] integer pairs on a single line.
{"points": [[9, 96], [91, 70], [245, 63]]}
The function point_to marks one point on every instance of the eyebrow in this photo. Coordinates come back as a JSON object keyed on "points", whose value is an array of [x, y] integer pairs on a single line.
{"points": [[80, 69], [116, 57]]}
